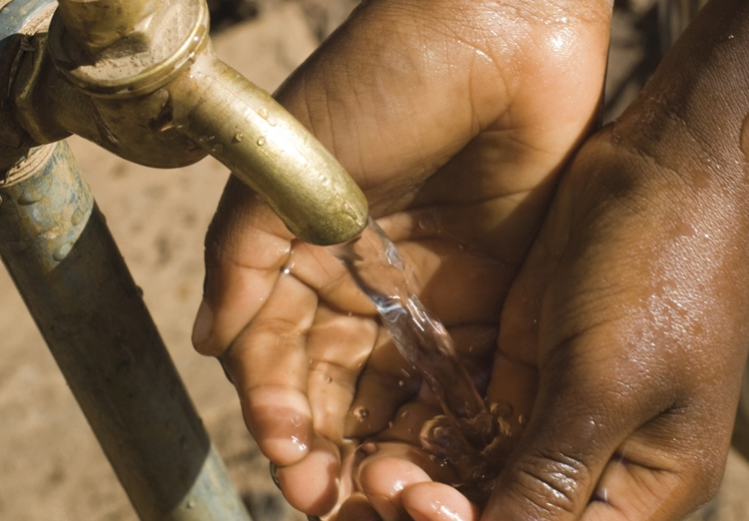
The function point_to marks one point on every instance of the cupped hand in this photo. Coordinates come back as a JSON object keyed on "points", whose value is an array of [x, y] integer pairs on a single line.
{"points": [[455, 118], [632, 303]]}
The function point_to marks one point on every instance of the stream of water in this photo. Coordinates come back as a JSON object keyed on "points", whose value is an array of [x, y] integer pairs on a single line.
{"points": [[467, 436]]}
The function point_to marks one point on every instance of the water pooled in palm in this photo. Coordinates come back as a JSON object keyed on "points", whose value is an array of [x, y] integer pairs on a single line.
{"points": [[468, 436]]}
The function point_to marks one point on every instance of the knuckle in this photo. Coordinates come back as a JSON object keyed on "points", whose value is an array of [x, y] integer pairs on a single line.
{"points": [[553, 481]]}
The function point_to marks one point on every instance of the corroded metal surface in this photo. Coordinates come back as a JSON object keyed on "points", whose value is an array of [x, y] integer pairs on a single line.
{"points": [[27, 229], [58, 250], [14, 19]]}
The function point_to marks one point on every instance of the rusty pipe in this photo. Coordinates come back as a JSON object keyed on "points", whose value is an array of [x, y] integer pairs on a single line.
{"points": [[61, 256]]}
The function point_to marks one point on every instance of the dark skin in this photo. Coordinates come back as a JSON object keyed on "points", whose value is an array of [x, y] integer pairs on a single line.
{"points": [[619, 328]]}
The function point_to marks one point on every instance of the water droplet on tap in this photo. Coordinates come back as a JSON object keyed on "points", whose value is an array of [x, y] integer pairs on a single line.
{"points": [[329, 379], [260, 141], [263, 113], [361, 414], [522, 420], [238, 137]]}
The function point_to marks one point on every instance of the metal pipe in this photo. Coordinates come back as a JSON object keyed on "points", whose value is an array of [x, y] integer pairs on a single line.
{"points": [[62, 258]]}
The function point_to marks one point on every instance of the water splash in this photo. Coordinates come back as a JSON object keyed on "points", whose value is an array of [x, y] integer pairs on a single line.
{"points": [[468, 436]]}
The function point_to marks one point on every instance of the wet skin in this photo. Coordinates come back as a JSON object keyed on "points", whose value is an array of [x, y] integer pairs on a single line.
{"points": [[618, 329]]}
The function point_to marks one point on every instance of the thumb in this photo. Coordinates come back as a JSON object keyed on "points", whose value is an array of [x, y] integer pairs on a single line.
{"points": [[555, 468], [579, 413]]}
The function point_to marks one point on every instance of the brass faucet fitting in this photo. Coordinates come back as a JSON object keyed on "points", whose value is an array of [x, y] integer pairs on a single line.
{"points": [[126, 48], [139, 77], [94, 27]]}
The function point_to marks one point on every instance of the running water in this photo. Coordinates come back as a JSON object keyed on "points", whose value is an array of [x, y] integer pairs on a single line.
{"points": [[468, 436]]}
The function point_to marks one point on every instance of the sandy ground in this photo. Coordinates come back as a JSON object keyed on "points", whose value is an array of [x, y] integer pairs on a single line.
{"points": [[51, 467]]}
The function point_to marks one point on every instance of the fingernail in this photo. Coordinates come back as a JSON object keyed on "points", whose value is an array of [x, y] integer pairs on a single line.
{"points": [[201, 331]]}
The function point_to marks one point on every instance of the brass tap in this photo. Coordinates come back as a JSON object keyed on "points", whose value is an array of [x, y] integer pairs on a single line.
{"points": [[140, 78]]}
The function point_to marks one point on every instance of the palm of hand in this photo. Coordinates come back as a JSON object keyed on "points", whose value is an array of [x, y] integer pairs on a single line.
{"points": [[458, 159], [316, 339]]}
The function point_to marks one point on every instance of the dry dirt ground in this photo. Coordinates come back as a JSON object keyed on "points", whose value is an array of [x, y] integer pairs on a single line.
{"points": [[51, 467]]}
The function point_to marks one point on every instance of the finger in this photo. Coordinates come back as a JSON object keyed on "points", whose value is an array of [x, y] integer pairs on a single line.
{"points": [[630, 492], [580, 415], [657, 474], [338, 347], [457, 284], [311, 484], [357, 508], [246, 247], [321, 271], [475, 345], [385, 384], [269, 366], [511, 393], [431, 501], [521, 314], [392, 468], [388, 381], [408, 421], [548, 478]]}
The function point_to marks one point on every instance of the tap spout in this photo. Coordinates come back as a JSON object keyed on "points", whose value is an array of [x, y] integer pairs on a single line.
{"points": [[247, 130]]}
